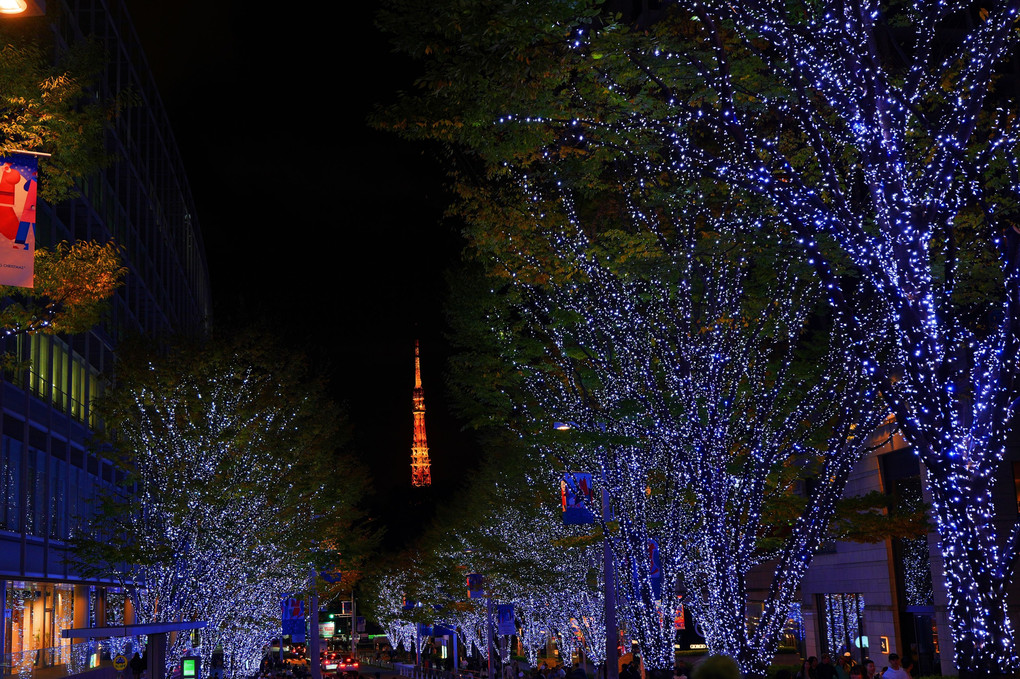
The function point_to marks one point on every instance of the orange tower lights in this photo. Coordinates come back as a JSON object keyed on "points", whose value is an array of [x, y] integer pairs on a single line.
{"points": [[420, 472]]}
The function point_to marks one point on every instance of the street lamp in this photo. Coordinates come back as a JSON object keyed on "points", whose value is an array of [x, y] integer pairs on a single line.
{"points": [[27, 8], [612, 660]]}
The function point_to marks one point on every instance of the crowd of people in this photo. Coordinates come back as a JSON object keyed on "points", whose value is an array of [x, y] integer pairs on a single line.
{"points": [[846, 668]]}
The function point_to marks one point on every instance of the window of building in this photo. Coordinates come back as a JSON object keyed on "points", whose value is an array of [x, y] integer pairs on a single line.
{"points": [[37, 611], [841, 617], [10, 484], [61, 376]]}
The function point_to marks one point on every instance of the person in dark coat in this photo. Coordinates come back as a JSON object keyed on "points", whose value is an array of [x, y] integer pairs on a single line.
{"points": [[825, 669], [137, 665]]}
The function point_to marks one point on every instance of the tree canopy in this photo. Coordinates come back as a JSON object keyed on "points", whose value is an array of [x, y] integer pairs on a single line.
{"points": [[876, 141], [237, 489]]}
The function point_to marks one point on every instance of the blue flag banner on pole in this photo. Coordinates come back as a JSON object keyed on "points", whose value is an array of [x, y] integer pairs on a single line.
{"points": [[654, 571], [294, 619], [655, 568], [475, 585], [576, 498], [18, 187], [505, 619]]}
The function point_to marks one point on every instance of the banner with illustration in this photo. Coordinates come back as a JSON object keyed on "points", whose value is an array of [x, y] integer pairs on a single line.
{"points": [[294, 619], [505, 619], [475, 586], [18, 188], [576, 498]]}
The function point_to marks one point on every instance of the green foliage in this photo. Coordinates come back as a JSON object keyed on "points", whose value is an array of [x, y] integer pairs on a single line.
{"points": [[235, 437], [716, 667], [873, 517], [53, 109], [73, 285]]}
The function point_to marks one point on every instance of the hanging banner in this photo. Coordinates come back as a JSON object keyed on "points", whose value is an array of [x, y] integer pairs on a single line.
{"points": [[576, 498], [505, 619], [655, 568], [475, 585], [18, 185], [294, 619], [654, 571]]}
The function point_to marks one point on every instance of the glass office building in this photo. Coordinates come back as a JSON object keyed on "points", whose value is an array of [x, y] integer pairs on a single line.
{"points": [[48, 475]]}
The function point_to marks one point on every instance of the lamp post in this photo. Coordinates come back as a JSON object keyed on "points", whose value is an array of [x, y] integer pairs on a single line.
{"points": [[612, 662], [314, 662], [612, 659], [488, 625]]}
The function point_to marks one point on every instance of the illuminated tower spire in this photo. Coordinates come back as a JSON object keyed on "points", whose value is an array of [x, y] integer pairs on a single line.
{"points": [[420, 473]]}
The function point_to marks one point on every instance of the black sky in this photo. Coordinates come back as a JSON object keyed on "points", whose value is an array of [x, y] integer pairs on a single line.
{"points": [[312, 220]]}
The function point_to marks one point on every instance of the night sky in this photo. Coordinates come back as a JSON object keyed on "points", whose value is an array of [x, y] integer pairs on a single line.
{"points": [[313, 221]]}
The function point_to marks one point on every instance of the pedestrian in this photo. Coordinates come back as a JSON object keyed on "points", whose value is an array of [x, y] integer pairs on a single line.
{"points": [[843, 667], [825, 669], [808, 669], [137, 665], [895, 671]]}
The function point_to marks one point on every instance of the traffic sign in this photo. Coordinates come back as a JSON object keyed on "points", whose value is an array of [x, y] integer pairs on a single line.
{"points": [[119, 663]]}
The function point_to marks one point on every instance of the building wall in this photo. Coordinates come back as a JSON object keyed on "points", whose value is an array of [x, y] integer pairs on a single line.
{"points": [[48, 473], [895, 604]]}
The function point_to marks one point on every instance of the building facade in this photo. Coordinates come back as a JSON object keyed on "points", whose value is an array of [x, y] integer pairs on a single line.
{"points": [[870, 600], [49, 475]]}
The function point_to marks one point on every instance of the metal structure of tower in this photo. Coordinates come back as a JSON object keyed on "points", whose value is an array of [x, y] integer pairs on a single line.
{"points": [[421, 474]]}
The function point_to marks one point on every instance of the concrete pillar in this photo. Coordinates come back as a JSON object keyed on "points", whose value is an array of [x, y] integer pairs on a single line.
{"points": [[156, 649], [81, 609], [100, 607]]}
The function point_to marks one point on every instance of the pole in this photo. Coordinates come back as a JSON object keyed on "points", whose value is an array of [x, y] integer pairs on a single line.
{"points": [[314, 660], [354, 627], [3, 627], [488, 624], [456, 660], [612, 660]]}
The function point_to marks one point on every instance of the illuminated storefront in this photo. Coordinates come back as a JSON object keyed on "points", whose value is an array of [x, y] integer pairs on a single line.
{"points": [[36, 612]]}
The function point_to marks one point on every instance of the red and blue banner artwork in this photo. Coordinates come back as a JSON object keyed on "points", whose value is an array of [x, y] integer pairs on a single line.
{"points": [[294, 619], [18, 188], [476, 586], [576, 498], [505, 619]]}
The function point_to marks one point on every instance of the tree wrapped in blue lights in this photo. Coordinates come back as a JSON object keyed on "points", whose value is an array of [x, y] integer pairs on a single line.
{"points": [[878, 137], [385, 599], [226, 449], [682, 393]]}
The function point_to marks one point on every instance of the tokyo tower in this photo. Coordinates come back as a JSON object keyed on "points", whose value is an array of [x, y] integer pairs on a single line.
{"points": [[420, 474]]}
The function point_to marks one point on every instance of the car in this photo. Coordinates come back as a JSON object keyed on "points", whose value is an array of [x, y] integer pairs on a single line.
{"points": [[340, 665]]}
